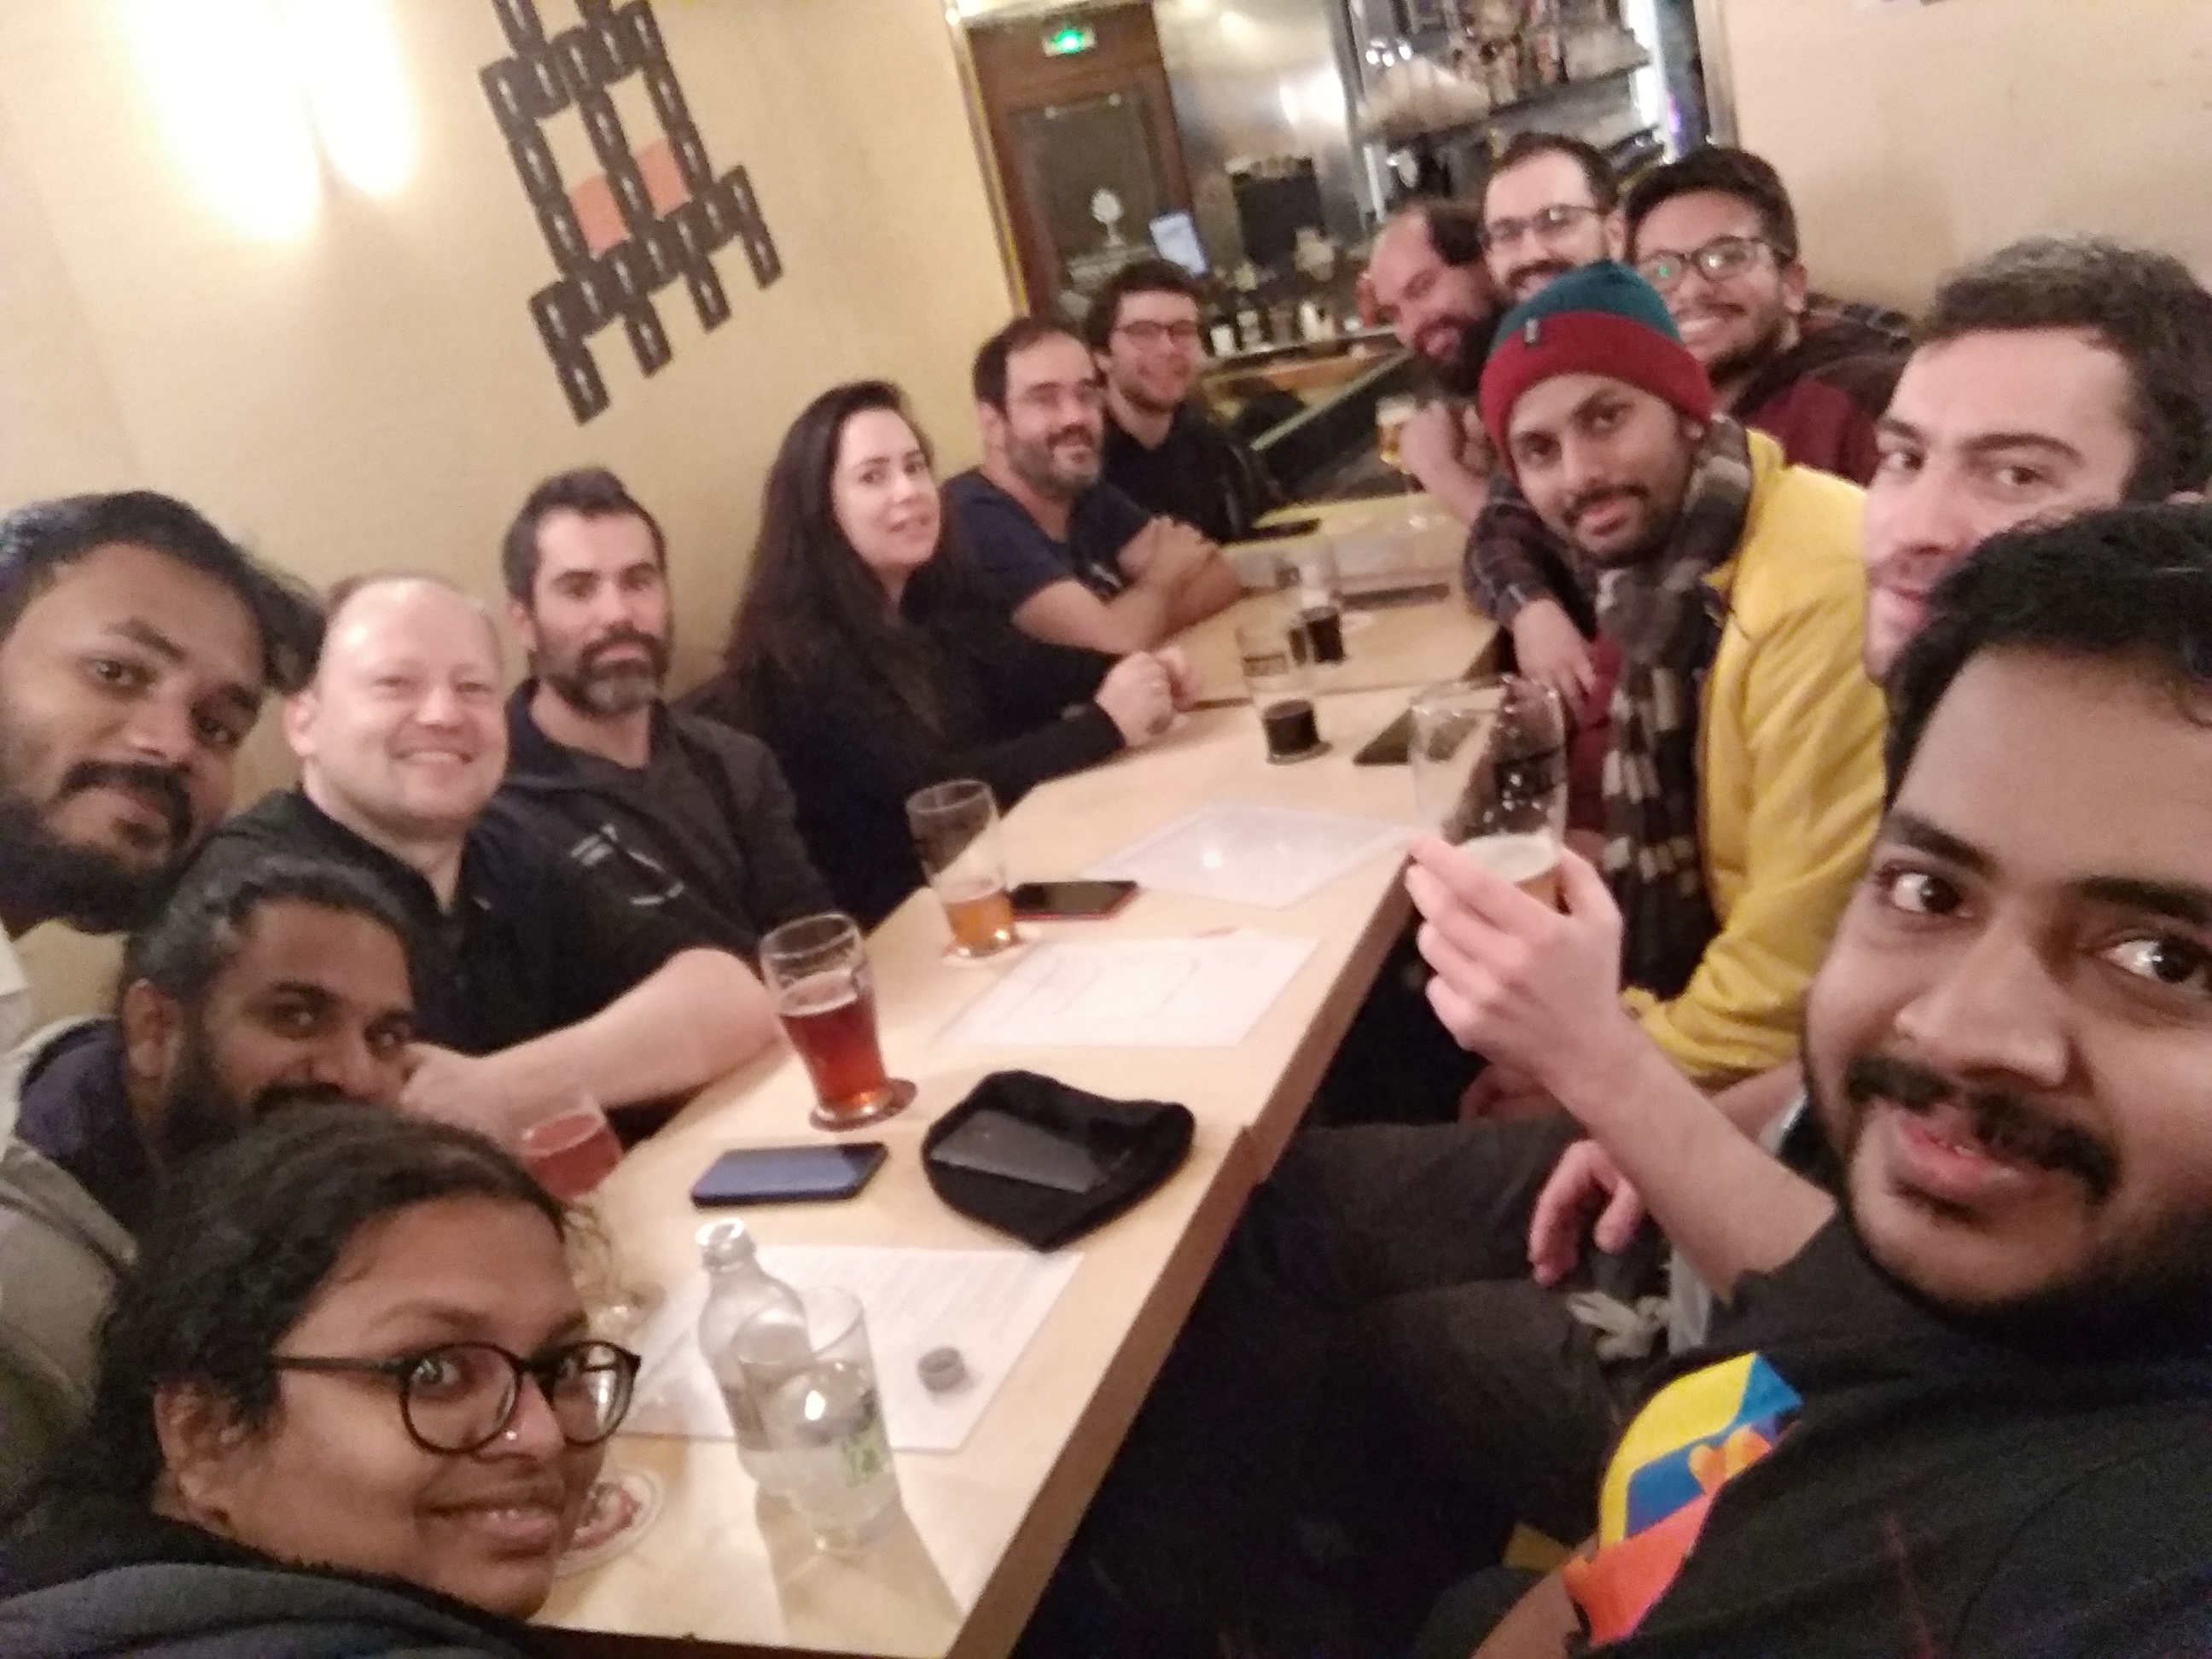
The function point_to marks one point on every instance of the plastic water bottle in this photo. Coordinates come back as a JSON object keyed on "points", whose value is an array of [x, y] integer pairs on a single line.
{"points": [[738, 1289]]}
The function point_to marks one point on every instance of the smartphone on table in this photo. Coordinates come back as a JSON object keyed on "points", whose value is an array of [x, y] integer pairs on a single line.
{"points": [[1070, 901], [788, 1174]]}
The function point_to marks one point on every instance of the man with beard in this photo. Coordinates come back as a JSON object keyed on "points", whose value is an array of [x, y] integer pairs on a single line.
{"points": [[1964, 1416], [1716, 234], [534, 985], [1431, 286], [678, 814], [1742, 774], [137, 643], [1076, 560], [272, 983], [1162, 450]]}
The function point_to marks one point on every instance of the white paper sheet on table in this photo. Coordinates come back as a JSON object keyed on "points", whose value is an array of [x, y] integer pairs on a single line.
{"points": [[1270, 856], [987, 1303], [1133, 994]]}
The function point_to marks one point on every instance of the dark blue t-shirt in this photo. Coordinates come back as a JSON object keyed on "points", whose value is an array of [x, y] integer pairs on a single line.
{"points": [[1019, 560]]}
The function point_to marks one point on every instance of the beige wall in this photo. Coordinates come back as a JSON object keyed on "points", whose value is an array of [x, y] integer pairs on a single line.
{"points": [[1916, 137], [371, 390]]}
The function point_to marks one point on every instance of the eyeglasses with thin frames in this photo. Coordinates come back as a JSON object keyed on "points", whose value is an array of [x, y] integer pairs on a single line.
{"points": [[460, 1397], [1544, 224], [1151, 334], [1716, 261]]}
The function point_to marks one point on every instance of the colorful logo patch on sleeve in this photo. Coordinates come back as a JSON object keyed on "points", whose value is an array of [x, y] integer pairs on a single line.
{"points": [[1695, 1435]]}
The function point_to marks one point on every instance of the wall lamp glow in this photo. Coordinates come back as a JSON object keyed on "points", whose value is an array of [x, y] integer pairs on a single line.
{"points": [[258, 95]]}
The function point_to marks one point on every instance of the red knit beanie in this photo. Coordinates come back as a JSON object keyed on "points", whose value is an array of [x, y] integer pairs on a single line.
{"points": [[1600, 320]]}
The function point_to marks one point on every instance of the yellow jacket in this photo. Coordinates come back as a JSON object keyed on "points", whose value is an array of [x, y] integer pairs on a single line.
{"points": [[1789, 771]]}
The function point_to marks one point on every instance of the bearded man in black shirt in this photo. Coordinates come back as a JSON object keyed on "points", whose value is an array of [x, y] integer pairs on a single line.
{"points": [[1956, 1402], [1162, 450]]}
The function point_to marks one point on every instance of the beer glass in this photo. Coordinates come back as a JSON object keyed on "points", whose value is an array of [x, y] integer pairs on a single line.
{"points": [[1490, 773], [823, 1415], [956, 832], [817, 970], [571, 1152], [1391, 415]]}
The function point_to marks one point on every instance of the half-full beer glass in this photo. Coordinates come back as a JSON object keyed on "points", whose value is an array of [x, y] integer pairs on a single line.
{"points": [[817, 970], [955, 832], [1490, 773]]}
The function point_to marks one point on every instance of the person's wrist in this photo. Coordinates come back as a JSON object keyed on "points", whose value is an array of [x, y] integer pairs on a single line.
{"points": [[1612, 1065]]}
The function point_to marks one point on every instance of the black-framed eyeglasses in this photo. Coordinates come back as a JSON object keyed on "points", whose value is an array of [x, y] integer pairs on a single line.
{"points": [[1716, 261], [1150, 333], [460, 1397], [1545, 223]]}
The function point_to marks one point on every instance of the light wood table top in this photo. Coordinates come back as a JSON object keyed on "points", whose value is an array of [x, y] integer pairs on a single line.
{"points": [[1383, 542], [985, 1526]]}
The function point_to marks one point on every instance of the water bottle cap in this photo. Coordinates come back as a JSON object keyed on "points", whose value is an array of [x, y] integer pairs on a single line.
{"points": [[726, 1244]]}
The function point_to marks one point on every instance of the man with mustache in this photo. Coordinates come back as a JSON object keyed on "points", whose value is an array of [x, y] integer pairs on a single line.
{"points": [[1954, 1404], [266, 985], [1716, 234], [1077, 561], [137, 643], [1742, 772], [536, 985], [677, 814]]}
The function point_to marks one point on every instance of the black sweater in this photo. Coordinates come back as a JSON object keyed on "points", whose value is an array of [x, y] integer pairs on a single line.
{"points": [[853, 751]]}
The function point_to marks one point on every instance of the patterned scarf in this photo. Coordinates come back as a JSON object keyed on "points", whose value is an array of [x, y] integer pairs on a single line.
{"points": [[1667, 622]]}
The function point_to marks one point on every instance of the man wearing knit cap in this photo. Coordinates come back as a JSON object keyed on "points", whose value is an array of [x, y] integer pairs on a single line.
{"points": [[1743, 770]]}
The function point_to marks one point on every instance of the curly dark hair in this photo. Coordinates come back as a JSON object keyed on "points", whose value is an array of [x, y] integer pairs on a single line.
{"points": [[1725, 171], [2132, 582], [240, 1243], [2142, 305], [1138, 276], [38, 542]]}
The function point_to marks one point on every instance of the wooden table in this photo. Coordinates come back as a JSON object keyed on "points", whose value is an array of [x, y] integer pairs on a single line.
{"points": [[986, 1526], [1393, 541]]}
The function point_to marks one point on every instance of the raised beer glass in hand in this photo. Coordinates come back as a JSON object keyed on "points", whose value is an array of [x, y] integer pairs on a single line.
{"points": [[1391, 415], [1490, 773], [956, 832], [817, 970]]}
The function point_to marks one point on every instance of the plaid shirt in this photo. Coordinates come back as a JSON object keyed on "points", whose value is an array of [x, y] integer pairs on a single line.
{"points": [[1511, 559]]}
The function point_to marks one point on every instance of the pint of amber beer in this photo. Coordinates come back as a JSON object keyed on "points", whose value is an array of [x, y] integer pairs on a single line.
{"points": [[956, 833], [817, 970]]}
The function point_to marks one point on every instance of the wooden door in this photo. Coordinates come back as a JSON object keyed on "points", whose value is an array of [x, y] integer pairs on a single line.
{"points": [[1080, 136]]}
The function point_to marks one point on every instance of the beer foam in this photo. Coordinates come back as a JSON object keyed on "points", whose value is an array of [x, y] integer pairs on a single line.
{"points": [[1516, 858]]}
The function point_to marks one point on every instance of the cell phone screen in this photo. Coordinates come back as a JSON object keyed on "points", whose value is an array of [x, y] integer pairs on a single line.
{"points": [[1071, 901], [788, 1174]]}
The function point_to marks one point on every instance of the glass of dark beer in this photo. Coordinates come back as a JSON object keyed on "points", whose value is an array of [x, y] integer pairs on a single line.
{"points": [[817, 970], [1490, 774]]}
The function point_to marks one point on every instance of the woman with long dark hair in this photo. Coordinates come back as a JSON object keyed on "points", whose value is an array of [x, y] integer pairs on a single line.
{"points": [[868, 655], [348, 1404]]}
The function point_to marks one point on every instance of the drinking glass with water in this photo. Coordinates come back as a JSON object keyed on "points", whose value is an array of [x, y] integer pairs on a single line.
{"points": [[823, 1415]]}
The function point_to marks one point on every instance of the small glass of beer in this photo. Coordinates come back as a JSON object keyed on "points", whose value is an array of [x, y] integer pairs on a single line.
{"points": [[817, 970], [1490, 772], [1391, 415], [956, 832]]}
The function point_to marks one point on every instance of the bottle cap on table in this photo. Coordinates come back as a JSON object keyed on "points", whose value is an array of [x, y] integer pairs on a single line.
{"points": [[942, 1369]]}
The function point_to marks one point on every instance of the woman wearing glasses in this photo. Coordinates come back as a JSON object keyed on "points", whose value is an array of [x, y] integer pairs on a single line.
{"points": [[349, 1404]]}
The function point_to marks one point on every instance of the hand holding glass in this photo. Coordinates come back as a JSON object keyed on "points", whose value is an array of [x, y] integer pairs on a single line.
{"points": [[1490, 773]]}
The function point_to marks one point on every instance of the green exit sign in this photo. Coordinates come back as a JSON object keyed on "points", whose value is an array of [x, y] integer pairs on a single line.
{"points": [[1068, 40]]}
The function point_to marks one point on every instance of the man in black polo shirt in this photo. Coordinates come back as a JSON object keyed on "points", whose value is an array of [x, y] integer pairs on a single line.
{"points": [[536, 985], [278, 982], [1963, 1411], [1162, 450], [677, 814], [1075, 561]]}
